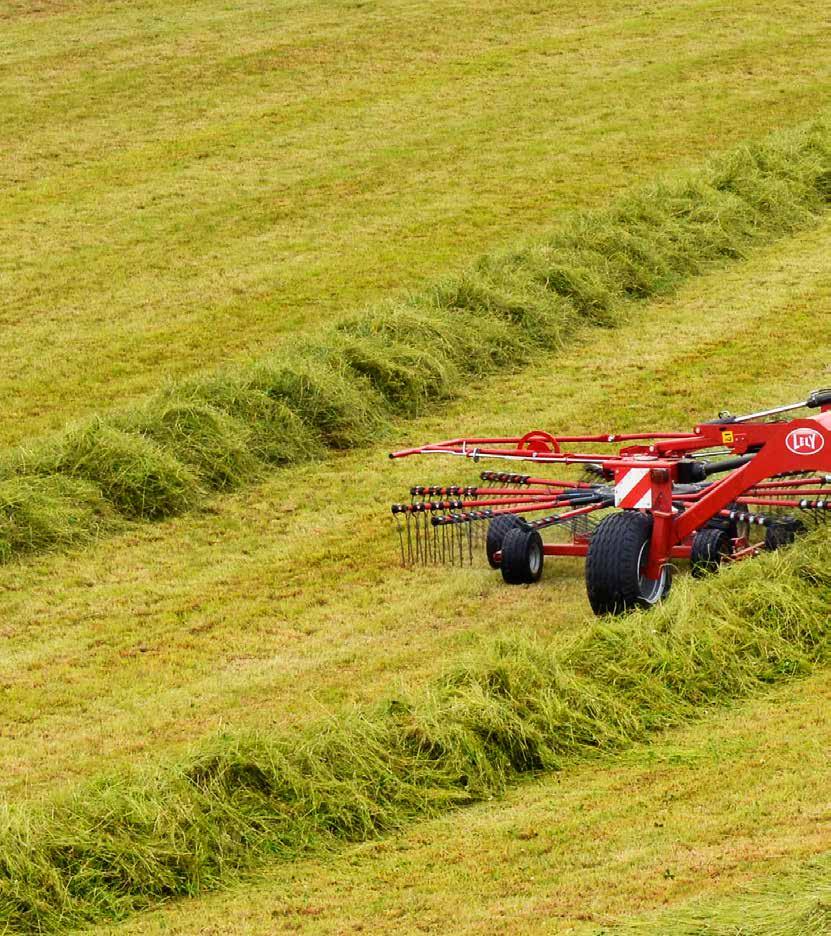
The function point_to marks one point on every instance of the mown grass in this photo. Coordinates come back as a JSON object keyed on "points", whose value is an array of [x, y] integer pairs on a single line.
{"points": [[268, 166], [38, 513], [122, 843], [251, 615], [163, 457], [719, 820], [793, 904], [179, 330], [287, 597]]}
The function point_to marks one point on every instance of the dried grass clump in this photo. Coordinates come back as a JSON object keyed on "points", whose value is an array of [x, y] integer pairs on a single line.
{"points": [[276, 435], [39, 513], [340, 407], [211, 442], [409, 378]]}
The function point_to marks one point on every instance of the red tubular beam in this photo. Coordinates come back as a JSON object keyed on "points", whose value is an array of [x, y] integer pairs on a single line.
{"points": [[682, 551], [499, 512], [790, 482], [745, 553], [577, 485], [553, 458], [484, 447], [521, 492], [508, 492], [520, 502], [429, 492], [759, 502], [512, 477], [626, 437], [607, 437], [538, 505], [812, 493], [564, 549]]}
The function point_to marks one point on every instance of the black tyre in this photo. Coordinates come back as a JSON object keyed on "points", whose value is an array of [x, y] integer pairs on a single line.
{"points": [[725, 523], [710, 547], [782, 534], [522, 556], [615, 564], [497, 529]]}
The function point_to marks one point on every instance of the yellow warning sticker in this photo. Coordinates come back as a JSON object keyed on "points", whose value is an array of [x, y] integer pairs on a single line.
{"points": [[727, 437]]}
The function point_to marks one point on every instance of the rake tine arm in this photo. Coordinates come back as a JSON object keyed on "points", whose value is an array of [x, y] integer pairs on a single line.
{"points": [[523, 503], [457, 490], [556, 519], [799, 503], [471, 516], [819, 479], [788, 492]]}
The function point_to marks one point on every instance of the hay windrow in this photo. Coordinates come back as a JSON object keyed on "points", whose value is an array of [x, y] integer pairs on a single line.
{"points": [[341, 407], [165, 455], [130, 840], [211, 442], [39, 513], [276, 435], [407, 378], [140, 478]]}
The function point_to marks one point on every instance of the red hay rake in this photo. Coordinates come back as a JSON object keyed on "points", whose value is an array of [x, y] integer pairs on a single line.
{"points": [[721, 493]]}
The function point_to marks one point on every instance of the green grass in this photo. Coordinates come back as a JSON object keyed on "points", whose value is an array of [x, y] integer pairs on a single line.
{"points": [[710, 318], [124, 842], [163, 457], [125, 656], [40, 513], [236, 174], [791, 904], [722, 820], [285, 599], [237, 180]]}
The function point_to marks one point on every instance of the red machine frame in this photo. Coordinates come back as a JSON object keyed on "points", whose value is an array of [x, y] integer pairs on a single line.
{"points": [[763, 463]]}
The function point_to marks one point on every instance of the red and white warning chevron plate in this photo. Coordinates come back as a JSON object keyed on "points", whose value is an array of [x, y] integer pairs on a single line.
{"points": [[633, 488]]}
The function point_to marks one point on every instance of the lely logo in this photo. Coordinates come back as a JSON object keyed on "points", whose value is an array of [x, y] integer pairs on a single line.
{"points": [[805, 441]]}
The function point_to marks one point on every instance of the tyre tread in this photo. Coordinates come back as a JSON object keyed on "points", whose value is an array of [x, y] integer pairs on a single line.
{"points": [[709, 545], [612, 574], [515, 551], [498, 529]]}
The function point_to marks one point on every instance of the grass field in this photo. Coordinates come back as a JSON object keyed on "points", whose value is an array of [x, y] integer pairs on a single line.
{"points": [[192, 185], [184, 185], [705, 813], [164, 455], [153, 639], [175, 629]]}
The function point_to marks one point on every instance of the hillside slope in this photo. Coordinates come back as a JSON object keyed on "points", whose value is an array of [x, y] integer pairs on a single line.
{"points": [[189, 185]]}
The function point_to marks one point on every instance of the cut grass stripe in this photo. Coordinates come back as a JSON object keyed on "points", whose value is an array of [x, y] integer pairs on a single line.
{"points": [[129, 840], [165, 455], [796, 904]]}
